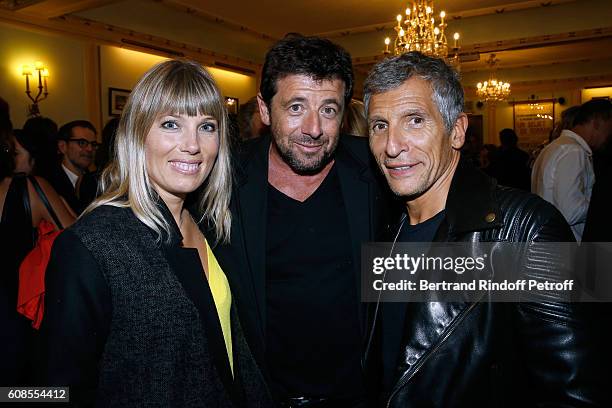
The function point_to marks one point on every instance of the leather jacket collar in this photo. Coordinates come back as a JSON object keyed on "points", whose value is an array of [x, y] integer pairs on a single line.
{"points": [[470, 205]]}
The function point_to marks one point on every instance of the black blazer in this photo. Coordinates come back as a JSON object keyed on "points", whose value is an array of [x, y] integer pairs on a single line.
{"points": [[61, 183], [365, 199], [131, 321]]}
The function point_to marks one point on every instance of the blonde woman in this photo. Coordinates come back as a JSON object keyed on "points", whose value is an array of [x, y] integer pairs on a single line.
{"points": [[138, 310]]}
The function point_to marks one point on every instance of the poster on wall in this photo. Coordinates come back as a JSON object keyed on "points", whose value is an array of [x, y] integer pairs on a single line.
{"points": [[116, 100], [533, 122]]}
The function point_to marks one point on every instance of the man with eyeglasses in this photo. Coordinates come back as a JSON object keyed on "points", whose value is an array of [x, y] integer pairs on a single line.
{"points": [[77, 143]]}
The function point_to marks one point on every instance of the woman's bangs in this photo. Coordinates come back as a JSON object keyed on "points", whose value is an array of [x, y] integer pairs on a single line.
{"points": [[190, 95]]}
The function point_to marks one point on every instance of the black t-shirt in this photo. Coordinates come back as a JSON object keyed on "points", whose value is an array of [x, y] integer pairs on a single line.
{"points": [[313, 341], [423, 232]]}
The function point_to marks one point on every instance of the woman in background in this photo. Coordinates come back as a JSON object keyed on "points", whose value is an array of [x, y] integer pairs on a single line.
{"points": [[355, 123], [25, 152], [22, 208], [138, 311]]}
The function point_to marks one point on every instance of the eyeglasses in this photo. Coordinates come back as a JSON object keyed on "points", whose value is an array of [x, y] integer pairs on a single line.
{"points": [[83, 143]]}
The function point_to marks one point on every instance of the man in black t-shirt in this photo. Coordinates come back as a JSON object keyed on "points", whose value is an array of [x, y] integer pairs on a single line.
{"points": [[305, 200]]}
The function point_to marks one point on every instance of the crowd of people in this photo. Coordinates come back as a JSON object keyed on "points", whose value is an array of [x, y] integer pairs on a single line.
{"points": [[216, 261]]}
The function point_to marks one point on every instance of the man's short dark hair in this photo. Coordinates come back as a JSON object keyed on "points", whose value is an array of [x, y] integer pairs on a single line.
{"points": [[317, 58], [446, 89], [65, 132], [508, 137], [41, 127], [568, 117], [593, 109]]}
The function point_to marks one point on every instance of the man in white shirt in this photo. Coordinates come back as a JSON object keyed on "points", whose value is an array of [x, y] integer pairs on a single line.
{"points": [[563, 172]]}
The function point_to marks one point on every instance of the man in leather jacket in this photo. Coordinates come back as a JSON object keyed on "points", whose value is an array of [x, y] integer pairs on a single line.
{"points": [[474, 354]]}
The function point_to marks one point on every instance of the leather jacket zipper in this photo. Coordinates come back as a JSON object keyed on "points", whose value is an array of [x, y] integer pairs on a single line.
{"points": [[409, 374]]}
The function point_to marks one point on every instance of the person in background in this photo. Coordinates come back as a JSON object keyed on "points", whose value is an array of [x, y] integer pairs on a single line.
{"points": [[354, 122], [44, 132], [249, 120], [567, 122], [25, 152], [512, 164], [77, 144], [472, 148], [106, 150], [138, 312], [22, 209], [488, 159], [598, 225], [563, 172], [87, 188], [568, 117]]}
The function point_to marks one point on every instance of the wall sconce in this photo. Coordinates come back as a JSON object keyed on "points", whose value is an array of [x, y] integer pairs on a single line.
{"points": [[42, 73]]}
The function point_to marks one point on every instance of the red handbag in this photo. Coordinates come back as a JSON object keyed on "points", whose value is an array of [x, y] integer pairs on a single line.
{"points": [[31, 294]]}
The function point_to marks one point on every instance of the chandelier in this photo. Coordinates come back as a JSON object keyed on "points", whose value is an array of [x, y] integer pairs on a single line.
{"points": [[493, 90], [419, 32]]}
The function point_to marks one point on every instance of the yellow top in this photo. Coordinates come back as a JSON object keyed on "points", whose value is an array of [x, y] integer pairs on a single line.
{"points": [[222, 296]]}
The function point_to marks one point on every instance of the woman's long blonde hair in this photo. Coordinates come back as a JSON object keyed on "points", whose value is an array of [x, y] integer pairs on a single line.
{"points": [[171, 87]]}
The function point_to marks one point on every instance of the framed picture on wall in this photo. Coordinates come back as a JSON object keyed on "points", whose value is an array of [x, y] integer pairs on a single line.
{"points": [[116, 100]]}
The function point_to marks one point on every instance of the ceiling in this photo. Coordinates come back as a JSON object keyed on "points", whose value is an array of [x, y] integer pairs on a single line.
{"points": [[524, 35]]}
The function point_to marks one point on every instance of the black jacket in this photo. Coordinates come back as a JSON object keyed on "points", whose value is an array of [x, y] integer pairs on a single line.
{"points": [[364, 195], [61, 183], [132, 322], [485, 354]]}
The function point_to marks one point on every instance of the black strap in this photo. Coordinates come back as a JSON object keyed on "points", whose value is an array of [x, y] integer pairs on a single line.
{"points": [[27, 207], [45, 201]]}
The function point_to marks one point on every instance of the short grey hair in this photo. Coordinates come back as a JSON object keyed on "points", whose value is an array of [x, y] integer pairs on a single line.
{"points": [[444, 80]]}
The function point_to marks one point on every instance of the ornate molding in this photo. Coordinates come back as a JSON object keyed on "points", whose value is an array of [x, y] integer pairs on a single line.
{"points": [[209, 17], [107, 34]]}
